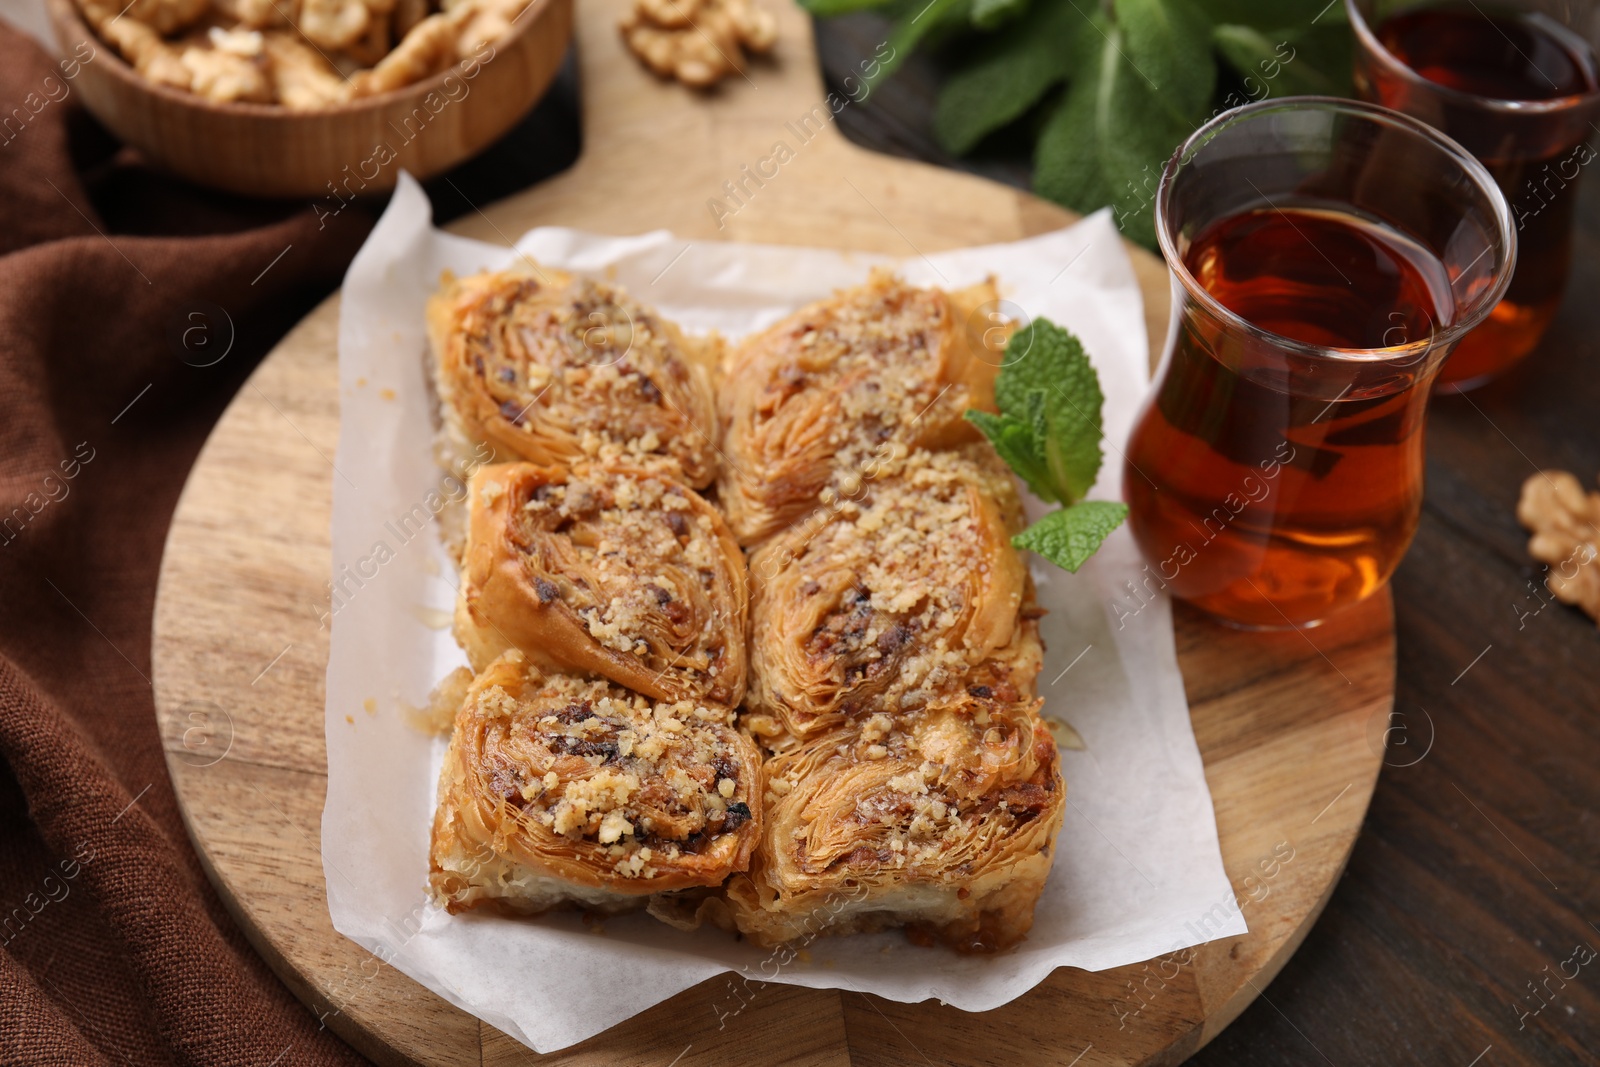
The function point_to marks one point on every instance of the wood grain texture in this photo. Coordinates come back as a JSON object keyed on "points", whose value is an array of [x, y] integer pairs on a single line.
{"points": [[262, 150], [1285, 726]]}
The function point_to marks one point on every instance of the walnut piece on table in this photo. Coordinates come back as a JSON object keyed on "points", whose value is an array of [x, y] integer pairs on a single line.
{"points": [[697, 41], [1566, 535]]}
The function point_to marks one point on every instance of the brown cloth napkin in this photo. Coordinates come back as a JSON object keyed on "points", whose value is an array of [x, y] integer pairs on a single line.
{"points": [[116, 950]]}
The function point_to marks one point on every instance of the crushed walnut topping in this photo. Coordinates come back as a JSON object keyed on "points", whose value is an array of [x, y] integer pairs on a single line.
{"points": [[841, 393], [1566, 536], [592, 761], [935, 782], [573, 368], [877, 351], [878, 608], [638, 560]]}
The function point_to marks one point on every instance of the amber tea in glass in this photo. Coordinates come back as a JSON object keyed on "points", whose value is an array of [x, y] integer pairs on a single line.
{"points": [[1326, 256], [1517, 85]]}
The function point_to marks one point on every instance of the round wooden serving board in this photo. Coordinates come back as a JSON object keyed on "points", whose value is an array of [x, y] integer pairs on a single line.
{"points": [[1291, 732]]}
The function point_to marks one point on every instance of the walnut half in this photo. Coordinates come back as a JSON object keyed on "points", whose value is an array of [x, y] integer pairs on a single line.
{"points": [[1566, 535], [697, 41]]}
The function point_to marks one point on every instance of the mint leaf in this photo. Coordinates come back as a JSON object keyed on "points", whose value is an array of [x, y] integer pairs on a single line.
{"points": [[1067, 168], [1167, 43], [1016, 442], [1326, 51], [1069, 536], [988, 14], [1273, 63], [1108, 139], [1008, 74], [1039, 356], [1142, 76], [1047, 378], [1049, 431], [915, 21], [911, 21]]}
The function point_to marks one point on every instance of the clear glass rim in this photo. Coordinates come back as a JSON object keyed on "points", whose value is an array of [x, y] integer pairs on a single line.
{"points": [[1369, 40], [1371, 112]]}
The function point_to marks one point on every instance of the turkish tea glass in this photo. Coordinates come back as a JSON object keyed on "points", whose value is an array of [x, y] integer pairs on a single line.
{"points": [[1514, 82], [1326, 256]]}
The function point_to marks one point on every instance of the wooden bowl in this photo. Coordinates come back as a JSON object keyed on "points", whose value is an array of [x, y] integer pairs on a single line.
{"points": [[354, 148]]}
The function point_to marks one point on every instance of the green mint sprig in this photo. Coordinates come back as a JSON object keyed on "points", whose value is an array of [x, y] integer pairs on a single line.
{"points": [[1107, 89], [1049, 431]]}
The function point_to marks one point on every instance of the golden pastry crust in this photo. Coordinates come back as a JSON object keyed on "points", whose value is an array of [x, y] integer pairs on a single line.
{"points": [[881, 603], [885, 628], [556, 369], [844, 388], [616, 572], [942, 820], [558, 790]]}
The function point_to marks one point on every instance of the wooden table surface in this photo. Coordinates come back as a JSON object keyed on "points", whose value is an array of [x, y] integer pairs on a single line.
{"points": [[1478, 872]]}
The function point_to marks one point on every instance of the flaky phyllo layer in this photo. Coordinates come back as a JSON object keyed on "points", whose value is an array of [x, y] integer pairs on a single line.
{"points": [[557, 788], [877, 604], [942, 818], [620, 573], [877, 647], [842, 389], [555, 369]]}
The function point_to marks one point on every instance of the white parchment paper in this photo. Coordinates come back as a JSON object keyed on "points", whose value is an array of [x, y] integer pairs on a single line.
{"points": [[1137, 871]]}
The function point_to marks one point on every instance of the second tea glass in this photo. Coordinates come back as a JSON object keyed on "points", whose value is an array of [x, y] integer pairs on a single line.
{"points": [[1535, 146]]}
